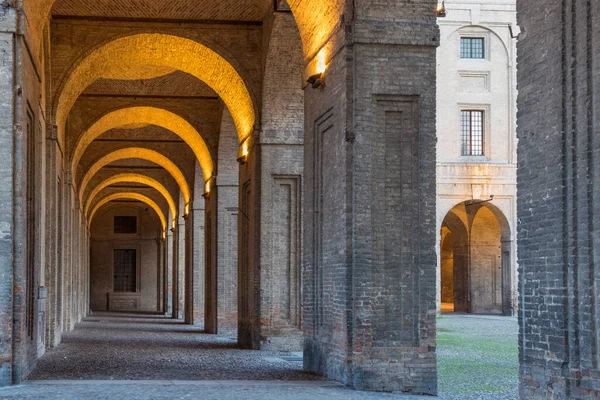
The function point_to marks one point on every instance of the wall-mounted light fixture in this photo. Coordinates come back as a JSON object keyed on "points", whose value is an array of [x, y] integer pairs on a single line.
{"points": [[186, 209], [317, 81], [474, 202], [173, 225], [243, 158], [441, 10], [164, 235]]}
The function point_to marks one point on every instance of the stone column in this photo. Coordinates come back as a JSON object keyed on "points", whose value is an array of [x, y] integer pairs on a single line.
{"points": [[558, 183], [369, 278]]}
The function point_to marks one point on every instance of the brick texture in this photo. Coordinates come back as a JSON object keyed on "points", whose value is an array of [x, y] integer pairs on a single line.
{"points": [[558, 199]]}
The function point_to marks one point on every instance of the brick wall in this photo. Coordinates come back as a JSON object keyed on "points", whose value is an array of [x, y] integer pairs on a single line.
{"points": [[558, 199], [369, 256]]}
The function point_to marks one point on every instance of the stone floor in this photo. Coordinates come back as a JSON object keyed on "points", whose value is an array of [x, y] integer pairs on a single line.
{"points": [[141, 347], [116, 356]]}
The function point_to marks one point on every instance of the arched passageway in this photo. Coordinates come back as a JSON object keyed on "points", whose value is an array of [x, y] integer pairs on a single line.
{"points": [[230, 166], [477, 274]]}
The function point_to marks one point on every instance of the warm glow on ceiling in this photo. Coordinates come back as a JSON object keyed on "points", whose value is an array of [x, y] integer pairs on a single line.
{"points": [[317, 21], [151, 116], [129, 196], [137, 72], [137, 178], [139, 153], [160, 50]]}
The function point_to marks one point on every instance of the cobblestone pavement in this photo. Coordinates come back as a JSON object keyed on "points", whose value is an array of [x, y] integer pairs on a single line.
{"points": [[123, 347], [477, 359]]}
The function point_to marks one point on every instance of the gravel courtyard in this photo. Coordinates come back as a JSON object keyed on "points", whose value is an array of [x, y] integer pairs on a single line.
{"points": [[477, 359]]}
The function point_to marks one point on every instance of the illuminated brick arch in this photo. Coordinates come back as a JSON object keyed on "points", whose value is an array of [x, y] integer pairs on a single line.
{"points": [[151, 116], [317, 20], [136, 178], [142, 154], [159, 53], [129, 196]]}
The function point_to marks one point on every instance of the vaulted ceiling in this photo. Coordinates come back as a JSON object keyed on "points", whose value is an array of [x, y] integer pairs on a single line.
{"points": [[222, 10]]}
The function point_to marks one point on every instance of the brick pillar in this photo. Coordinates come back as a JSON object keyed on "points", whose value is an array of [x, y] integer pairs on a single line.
{"points": [[189, 271], [181, 259], [10, 296], [198, 252], [559, 199], [369, 277], [248, 254], [210, 257], [172, 254], [170, 283], [227, 228]]}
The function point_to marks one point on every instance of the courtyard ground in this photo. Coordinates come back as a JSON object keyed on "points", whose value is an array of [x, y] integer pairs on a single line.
{"points": [[130, 357]]}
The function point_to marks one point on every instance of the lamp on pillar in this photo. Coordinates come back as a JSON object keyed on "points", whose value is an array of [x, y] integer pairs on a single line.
{"points": [[164, 236], [173, 225], [317, 81], [441, 10], [243, 158], [186, 210]]}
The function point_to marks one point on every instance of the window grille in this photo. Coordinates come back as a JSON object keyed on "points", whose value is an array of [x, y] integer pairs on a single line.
{"points": [[124, 270], [471, 47], [471, 122]]}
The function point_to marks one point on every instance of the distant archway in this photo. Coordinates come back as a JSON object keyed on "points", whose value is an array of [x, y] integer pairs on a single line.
{"points": [[137, 178], [150, 116], [476, 273], [129, 196], [142, 154]]}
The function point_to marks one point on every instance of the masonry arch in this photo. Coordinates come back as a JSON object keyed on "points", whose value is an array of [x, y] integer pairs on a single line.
{"points": [[317, 20], [143, 154], [129, 196], [475, 260], [137, 178], [160, 50], [150, 116]]}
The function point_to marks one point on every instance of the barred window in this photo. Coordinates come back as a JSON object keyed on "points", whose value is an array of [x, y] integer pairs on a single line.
{"points": [[471, 132], [125, 271], [471, 47]]}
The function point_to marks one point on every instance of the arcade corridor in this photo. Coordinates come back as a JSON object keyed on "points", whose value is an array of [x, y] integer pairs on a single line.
{"points": [[111, 346]]}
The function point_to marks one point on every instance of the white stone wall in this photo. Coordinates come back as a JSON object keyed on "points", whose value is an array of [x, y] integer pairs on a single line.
{"points": [[487, 84]]}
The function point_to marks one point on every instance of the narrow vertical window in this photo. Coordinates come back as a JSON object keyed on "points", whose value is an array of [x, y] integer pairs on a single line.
{"points": [[471, 123], [471, 47]]}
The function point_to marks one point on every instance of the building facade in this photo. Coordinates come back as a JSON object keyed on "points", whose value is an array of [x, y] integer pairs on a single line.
{"points": [[476, 157]]}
